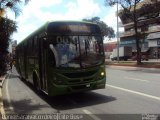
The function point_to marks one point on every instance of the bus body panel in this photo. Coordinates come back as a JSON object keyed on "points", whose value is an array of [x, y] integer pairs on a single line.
{"points": [[73, 84], [33, 64]]}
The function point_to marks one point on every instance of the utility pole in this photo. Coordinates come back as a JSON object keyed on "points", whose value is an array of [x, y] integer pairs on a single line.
{"points": [[117, 35]]}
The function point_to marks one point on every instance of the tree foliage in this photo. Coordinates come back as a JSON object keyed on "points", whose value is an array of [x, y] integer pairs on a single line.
{"points": [[106, 30], [13, 5], [129, 12], [7, 27]]}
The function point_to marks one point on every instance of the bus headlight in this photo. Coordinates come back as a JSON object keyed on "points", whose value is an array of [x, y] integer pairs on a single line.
{"points": [[102, 74]]}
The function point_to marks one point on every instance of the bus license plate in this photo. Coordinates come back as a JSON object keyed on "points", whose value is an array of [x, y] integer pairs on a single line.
{"points": [[88, 85]]}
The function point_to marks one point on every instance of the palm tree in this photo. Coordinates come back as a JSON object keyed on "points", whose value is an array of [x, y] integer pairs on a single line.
{"points": [[12, 5]]}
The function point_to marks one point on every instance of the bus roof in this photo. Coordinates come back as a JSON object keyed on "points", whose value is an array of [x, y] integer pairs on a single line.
{"points": [[44, 27], [76, 21]]}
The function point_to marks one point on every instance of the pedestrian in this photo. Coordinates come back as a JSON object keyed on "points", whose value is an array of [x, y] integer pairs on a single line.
{"points": [[11, 64]]}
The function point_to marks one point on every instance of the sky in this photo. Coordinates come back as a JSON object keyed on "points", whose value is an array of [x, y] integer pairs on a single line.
{"points": [[38, 12]]}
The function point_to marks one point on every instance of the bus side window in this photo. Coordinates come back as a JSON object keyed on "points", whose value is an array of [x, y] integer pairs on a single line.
{"points": [[29, 47], [35, 46]]}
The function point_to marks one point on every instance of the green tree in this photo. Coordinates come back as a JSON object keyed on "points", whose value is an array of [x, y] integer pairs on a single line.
{"points": [[106, 30], [130, 12], [7, 27]]}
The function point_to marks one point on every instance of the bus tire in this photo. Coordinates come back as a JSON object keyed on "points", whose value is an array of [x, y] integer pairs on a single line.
{"points": [[35, 81]]}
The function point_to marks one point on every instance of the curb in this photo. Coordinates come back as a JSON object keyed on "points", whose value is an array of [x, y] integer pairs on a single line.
{"points": [[2, 80], [133, 68], [2, 111], [134, 65]]}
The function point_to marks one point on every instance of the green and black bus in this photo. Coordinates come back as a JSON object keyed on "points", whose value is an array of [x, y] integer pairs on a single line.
{"points": [[63, 57]]}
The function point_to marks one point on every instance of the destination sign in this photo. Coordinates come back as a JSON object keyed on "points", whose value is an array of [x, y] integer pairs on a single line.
{"points": [[73, 28]]}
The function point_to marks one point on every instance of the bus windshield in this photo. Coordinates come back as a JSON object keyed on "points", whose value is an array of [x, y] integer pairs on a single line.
{"points": [[76, 51]]}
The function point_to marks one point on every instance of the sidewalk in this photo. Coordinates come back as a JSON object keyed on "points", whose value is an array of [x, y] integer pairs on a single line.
{"points": [[2, 78], [153, 63], [150, 70], [147, 66], [150, 60]]}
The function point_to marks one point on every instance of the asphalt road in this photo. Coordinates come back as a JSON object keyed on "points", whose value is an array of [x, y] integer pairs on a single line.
{"points": [[130, 94]]}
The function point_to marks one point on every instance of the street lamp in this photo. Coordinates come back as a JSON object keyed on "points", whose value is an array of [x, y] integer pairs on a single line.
{"points": [[117, 35]]}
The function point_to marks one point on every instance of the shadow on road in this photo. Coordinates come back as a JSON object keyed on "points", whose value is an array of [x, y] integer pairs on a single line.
{"points": [[12, 75], [76, 100]]}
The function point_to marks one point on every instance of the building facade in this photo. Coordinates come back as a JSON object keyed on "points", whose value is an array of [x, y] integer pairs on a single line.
{"points": [[108, 48], [12, 48], [148, 14]]}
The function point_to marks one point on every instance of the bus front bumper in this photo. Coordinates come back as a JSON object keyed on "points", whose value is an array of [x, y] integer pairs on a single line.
{"points": [[55, 89]]}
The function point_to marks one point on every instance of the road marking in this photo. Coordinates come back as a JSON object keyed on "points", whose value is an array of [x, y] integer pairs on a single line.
{"points": [[7, 94], [136, 79], [91, 114], [135, 92], [1, 103]]}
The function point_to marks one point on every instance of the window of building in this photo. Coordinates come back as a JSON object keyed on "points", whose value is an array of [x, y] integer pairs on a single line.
{"points": [[158, 42]]}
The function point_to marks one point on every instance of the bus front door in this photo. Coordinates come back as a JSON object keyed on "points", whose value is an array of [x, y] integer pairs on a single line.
{"points": [[42, 66]]}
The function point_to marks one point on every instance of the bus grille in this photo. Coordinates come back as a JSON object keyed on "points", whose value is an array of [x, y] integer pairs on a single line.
{"points": [[80, 80], [80, 74], [80, 77]]}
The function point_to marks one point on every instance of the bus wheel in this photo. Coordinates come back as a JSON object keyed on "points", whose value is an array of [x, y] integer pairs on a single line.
{"points": [[35, 82]]}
